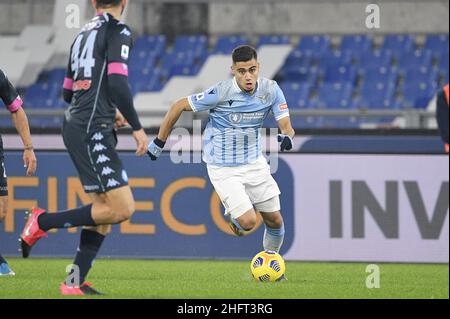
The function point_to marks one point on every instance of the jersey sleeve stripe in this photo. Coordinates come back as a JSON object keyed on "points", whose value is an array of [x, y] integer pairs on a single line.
{"points": [[282, 116], [117, 68], [68, 84], [15, 105], [194, 109]]}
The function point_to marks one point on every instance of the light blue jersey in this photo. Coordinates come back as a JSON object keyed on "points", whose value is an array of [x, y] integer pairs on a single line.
{"points": [[233, 134]]}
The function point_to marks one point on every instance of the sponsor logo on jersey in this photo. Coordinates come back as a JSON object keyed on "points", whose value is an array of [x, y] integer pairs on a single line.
{"points": [[82, 85], [102, 159], [125, 52], [198, 97], [107, 171], [112, 183], [236, 118], [283, 106]]}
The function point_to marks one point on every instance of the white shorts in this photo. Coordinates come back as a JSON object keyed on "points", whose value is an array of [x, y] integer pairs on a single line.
{"points": [[242, 187]]}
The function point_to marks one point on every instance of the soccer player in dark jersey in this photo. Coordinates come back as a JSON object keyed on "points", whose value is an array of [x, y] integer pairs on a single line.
{"points": [[13, 103], [96, 82]]}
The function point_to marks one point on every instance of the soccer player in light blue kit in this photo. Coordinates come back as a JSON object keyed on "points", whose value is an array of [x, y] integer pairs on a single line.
{"points": [[232, 144]]}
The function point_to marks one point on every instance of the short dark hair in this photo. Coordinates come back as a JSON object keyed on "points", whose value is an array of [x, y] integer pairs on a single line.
{"points": [[107, 3], [244, 53]]}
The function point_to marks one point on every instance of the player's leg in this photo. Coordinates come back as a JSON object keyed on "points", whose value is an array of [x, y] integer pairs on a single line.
{"points": [[273, 220], [264, 193], [91, 239], [238, 207], [100, 171], [5, 270]]}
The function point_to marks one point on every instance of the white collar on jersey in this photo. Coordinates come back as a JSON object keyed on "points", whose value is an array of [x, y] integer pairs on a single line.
{"points": [[238, 89]]}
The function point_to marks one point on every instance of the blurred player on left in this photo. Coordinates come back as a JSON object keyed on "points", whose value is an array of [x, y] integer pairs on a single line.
{"points": [[13, 103]]}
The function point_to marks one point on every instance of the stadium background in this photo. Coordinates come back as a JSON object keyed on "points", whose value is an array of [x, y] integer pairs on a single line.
{"points": [[368, 180]]}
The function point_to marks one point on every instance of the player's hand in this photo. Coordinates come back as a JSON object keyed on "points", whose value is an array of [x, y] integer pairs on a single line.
{"points": [[120, 120], [155, 149], [287, 143], [141, 142], [29, 161]]}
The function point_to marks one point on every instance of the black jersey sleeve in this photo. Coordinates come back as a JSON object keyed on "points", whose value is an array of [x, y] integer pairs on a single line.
{"points": [[68, 83], [118, 51], [442, 115], [8, 94]]}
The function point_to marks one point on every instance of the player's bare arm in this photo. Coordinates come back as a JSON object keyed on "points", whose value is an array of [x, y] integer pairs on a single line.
{"points": [[21, 123], [286, 127], [172, 116], [286, 138]]}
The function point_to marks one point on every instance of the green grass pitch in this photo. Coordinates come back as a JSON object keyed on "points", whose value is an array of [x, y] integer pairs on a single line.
{"points": [[214, 279]]}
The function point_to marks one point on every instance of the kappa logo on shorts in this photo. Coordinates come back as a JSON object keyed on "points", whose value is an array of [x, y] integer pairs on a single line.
{"points": [[107, 171], [112, 183], [103, 159], [97, 137], [99, 147]]}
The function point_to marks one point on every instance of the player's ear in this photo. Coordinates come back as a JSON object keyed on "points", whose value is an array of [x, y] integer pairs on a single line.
{"points": [[233, 72]]}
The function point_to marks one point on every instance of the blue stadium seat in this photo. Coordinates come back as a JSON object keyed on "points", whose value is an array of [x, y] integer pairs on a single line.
{"points": [[297, 94], [379, 74], [356, 44], [273, 39], [301, 74], [398, 44], [336, 57], [416, 58], [226, 44], [40, 96], [418, 94], [420, 74], [335, 95], [437, 43], [340, 73], [299, 59], [314, 45], [155, 44], [375, 58], [376, 95]]}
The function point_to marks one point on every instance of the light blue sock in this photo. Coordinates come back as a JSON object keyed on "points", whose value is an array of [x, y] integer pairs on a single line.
{"points": [[273, 238]]}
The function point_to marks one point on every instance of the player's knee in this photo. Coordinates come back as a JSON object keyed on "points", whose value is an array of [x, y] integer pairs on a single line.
{"points": [[3, 211], [126, 212], [277, 221], [248, 223]]}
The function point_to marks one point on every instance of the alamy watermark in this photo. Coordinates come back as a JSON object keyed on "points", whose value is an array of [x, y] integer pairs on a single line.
{"points": [[73, 278], [373, 16], [225, 146], [373, 279]]}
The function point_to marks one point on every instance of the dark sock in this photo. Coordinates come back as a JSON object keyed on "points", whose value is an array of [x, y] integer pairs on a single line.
{"points": [[90, 243], [2, 260], [70, 218]]}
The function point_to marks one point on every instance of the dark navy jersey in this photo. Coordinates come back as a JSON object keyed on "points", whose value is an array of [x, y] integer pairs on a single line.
{"points": [[10, 98], [8, 94], [102, 48]]}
